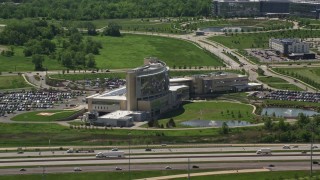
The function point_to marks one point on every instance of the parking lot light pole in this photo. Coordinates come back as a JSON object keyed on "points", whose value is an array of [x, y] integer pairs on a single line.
{"points": [[129, 155]]}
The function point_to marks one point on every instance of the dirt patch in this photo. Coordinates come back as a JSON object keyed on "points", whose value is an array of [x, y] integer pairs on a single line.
{"points": [[45, 114]]}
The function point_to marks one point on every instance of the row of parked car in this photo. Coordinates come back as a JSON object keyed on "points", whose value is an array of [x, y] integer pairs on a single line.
{"points": [[27, 100], [293, 96]]}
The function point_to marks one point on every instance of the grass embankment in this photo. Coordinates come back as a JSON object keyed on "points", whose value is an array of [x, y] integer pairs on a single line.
{"points": [[278, 83], [308, 75], [272, 175], [39, 116], [210, 110], [127, 51], [12, 82], [17, 135], [95, 175]]}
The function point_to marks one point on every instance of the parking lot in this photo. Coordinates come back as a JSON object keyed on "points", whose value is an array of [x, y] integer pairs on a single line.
{"points": [[99, 83], [292, 96], [266, 56], [12, 102]]}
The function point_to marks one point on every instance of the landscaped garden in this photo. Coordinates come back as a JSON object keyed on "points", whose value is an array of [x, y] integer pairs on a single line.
{"points": [[210, 110]]}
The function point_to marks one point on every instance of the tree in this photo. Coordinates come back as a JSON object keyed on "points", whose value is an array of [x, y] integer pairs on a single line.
{"points": [[91, 63], [225, 128], [113, 29], [268, 123], [37, 60]]}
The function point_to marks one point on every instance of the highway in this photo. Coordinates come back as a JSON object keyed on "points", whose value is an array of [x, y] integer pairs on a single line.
{"points": [[278, 166], [138, 159], [162, 150]]}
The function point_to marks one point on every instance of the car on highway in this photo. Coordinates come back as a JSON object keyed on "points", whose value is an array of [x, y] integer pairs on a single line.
{"points": [[271, 165], [20, 152], [77, 169], [195, 167], [118, 168], [148, 149], [313, 147], [22, 169], [286, 147], [168, 167], [114, 149]]}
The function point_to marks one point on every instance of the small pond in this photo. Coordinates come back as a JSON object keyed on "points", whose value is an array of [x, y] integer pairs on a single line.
{"points": [[209, 123], [287, 112]]}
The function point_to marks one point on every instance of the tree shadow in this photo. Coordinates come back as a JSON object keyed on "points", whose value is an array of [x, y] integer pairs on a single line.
{"points": [[176, 112]]}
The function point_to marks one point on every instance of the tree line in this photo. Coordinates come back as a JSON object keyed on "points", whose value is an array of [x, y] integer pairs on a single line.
{"points": [[98, 9]]}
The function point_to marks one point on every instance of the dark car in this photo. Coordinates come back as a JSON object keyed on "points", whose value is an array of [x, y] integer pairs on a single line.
{"points": [[148, 149], [195, 167], [118, 168], [22, 169], [271, 165]]}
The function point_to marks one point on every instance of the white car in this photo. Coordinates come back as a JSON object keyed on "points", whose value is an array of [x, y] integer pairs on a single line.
{"points": [[77, 169]]}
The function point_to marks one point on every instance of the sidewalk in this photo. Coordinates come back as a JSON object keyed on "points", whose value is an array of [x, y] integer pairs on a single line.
{"points": [[206, 174]]}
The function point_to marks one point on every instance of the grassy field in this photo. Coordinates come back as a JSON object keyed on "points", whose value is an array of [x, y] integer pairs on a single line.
{"points": [[83, 76], [312, 73], [278, 83], [19, 62], [272, 175], [211, 110], [259, 24], [37, 117], [17, 135], [261, 40], [308, 75], [12, 82], [129, 51], [95, 175]]}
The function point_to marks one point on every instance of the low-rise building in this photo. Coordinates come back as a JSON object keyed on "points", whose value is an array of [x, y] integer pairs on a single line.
{"points": [[289, 46]]}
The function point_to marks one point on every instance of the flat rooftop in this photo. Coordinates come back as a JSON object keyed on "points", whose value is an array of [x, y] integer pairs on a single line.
{"points": [[120, 114], [175, 88]]}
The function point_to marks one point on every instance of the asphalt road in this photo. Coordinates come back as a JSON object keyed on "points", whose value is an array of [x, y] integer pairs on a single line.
{"points": [[163, 150], [278, 166]]}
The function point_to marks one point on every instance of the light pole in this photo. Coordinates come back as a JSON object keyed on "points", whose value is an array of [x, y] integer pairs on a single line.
{"points": [[188, 168], [129, 155]]}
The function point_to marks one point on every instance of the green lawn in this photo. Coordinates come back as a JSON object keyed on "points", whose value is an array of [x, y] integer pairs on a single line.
{"points": [[129, 51], [272, 175], [19, 62], [211, 110], [37, 117], [308, 75], [94, 175], [279, 83], [261, 39], [76, 77], [12, 82], [270, 79], [31, 134]]}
